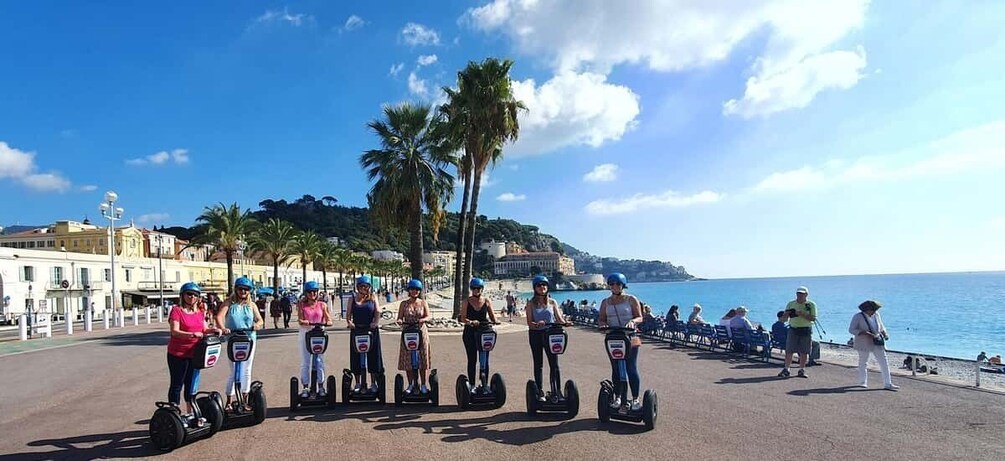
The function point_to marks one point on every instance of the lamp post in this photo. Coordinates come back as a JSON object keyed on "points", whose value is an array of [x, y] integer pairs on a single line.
{"points": [[113, 214], [160, 272]]}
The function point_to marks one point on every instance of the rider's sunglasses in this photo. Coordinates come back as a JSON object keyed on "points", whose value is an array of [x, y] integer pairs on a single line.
{"points": [[245, 290], [541, 285], [190, 293]]}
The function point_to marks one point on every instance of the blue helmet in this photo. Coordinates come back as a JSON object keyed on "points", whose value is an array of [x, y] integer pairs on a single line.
{"points": [[311, 286], [476, 283], [244, 282], [415, 283], [364, 280], [618, 277], [538, 280], [190, 287]]}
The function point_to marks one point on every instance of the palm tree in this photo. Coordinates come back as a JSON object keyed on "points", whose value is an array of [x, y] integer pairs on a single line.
{"points": [[410, 173], [326, 256], [482, 114], [306, 245], [225, 227], [274, 238]]}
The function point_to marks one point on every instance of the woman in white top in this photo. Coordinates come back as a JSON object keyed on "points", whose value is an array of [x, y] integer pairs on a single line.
{"points": [[623, 310], [870, 338]]}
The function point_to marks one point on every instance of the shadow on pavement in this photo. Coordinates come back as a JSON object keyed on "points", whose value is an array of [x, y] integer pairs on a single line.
{"points": [[129, 444], [751, 380], [149, 338], [756, 366], [483, 428], [829, 390], [365, 412]]}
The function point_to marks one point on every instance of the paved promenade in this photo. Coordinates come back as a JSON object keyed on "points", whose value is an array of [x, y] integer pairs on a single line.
{"points": [[86, 399]]}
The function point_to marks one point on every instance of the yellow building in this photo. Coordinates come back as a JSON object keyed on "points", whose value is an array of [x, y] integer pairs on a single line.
{"points": [[78, 237]]}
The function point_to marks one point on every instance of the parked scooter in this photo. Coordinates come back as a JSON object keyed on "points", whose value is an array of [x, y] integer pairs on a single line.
{"points": [[411, 336], [555, 399], [617, 341], [239, 347], [361, 340], [169, 428], [488, 392], [316, 342]]}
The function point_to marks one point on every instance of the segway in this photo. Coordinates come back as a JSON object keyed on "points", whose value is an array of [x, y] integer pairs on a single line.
{"points": [[617, 341], [490, 393], [316, 342], [168, 429], [361, 339], [411, 337], [239, 347], [555, 399]]}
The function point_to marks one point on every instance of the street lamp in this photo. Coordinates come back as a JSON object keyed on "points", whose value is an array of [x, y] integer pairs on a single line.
{"points": [[160, 276], [113, 214]]}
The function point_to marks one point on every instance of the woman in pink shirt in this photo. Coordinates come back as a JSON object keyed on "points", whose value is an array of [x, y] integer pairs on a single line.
{"points": [[311, 311], [188, 326]]}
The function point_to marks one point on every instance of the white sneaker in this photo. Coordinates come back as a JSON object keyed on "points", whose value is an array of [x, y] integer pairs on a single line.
{"points": [[305, 393], [616, 403], [862, 385], [356, 389], [473, 388], [424, 389], [409, 389], [891, 387], [636, 405]]}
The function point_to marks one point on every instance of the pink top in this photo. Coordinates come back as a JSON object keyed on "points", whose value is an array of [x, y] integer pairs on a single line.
{"points": [[192, 323], [313, 313]]}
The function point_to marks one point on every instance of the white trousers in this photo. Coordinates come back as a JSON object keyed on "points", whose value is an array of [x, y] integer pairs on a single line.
{"points": [[305, 363], [245, 377], [879, 352]]}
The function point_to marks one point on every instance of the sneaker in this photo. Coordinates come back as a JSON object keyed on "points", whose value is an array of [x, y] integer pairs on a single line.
{"points": [[200, 422], [616, 403], [374, 388], [424, 389], [409, 389], [356, 389], [784, 373], [322, 393], [862, 385], [636, 405], [891, 387], [305, 393], [473, 388], [802, 373]]}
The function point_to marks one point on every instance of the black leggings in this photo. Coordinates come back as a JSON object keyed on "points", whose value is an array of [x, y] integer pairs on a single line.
{"points": [[183, 375], [286, 319], [538, 345], [471, 349]]}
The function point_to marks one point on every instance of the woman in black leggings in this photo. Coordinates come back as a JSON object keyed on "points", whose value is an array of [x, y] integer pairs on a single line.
{"points": [[542, 310], [477, 310]]}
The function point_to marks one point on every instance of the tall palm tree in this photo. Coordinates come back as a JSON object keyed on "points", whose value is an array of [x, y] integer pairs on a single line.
{"points": [[274, 238], [225, 227], [306, 245], [325, 258], [482, 114], [410, 173]]}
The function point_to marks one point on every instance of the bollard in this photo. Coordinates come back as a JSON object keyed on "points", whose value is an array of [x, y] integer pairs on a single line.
{"points": [[104, 317], [160, 314], [22, 327], [148, 315], [88, 326], [980, 359], [136, 316], [914, 366], [68, 318]]}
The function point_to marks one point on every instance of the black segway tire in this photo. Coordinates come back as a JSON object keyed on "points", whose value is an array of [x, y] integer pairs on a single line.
{"points": [[294, 394], [499, 389], [381, 388], [399, 389], [166, 429], [212, 411], [331, 387], [650, 409], [258, 403], [531, 397], [571, 399], [604, 405], [346, 388], [434, 389], [463, 392]]}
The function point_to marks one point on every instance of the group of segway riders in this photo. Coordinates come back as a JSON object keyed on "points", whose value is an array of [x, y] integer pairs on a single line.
{"points": [[196, 344]]}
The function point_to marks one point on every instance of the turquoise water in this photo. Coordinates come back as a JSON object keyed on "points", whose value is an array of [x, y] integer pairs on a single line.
{"points": [[953, 315]]}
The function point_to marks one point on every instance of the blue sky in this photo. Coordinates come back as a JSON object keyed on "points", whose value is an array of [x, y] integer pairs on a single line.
{"points": [[739, 139]]}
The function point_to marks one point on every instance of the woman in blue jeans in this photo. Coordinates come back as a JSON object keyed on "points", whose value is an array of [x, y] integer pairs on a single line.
{"points": [[623, 310]]}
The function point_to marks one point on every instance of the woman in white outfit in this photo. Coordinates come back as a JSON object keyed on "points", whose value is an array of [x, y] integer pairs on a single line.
{"points": [[870, 338]]}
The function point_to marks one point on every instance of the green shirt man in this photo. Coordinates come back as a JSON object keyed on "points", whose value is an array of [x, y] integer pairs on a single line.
{"points": [[804, 310]]}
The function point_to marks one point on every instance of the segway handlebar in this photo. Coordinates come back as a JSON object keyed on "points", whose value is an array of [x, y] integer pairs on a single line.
{"points": [[613, 328]]}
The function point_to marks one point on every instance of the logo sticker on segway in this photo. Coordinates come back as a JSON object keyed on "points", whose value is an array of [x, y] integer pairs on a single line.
{"points": [[616, 349], [318, 345], [241, 351], [362, 343], [411, 341], [212, 355], [488, 341], [556, 343]]}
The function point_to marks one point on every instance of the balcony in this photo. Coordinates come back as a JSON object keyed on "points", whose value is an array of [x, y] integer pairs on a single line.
{"points": [[156, 286], [75, 286]]}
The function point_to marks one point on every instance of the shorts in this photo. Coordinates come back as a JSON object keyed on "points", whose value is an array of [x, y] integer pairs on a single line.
{"points": [[798, 343], [511, 309]]}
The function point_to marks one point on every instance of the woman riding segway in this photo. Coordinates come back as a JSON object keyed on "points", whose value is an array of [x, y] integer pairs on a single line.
{"points": [[364, 314], [413, 313], [238, 313], [477, 311], [311, 311], [542, 311]]}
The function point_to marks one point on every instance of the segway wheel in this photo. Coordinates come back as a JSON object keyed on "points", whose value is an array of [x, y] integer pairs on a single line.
{"points": [[463, 392], [346, 388], [499, 389], [571, 399], [604, 405], [650, 409], [381, 388], [258, 403], [531, 397], [212, 412], [294, 394], [434, 389], [331, 388], [166, 429], [399, 389]]}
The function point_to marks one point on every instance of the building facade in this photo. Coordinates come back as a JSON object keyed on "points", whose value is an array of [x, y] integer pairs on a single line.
{"points": [[520, 264]]}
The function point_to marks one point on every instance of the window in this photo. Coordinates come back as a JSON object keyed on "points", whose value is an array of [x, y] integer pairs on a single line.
{"points": [[51, 244], [85, 276], [87, 242], [57, 274], [129, 275], [177, 276], [75, 244], [108, 275], [62, 243], [27, 274]]}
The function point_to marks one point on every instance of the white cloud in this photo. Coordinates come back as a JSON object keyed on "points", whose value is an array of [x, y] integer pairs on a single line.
{"points": [[153, 218], [425, 60], [680, 35], [668, 199], [354, 22], [88, 188], [602, 173], [20, 167], [510, 197], [486, 181], [976, 149], [572, 109], [417, 86], [280, 17], [417, 34], [178, 156], [395, 69]]}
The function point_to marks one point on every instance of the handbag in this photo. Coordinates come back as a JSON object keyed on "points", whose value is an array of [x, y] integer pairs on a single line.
{"points": [[635, 340], [875, 341]]}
